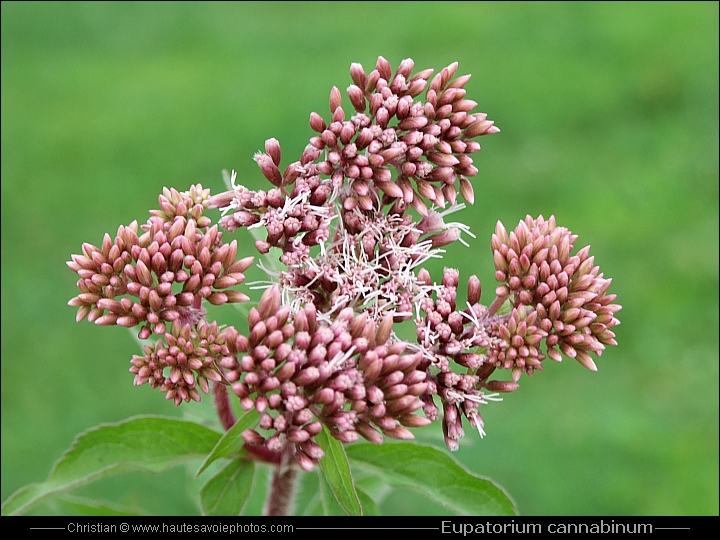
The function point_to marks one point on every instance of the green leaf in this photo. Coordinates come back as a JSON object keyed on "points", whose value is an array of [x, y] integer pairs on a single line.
{"points": [[324, 503], [226, 493], [374, 485], [256, 504], [231, 442], [335, 470], [149, 443], [24, 498], [369, 507], [314, 507], [70, 505], [435, 474], [330, 506]]}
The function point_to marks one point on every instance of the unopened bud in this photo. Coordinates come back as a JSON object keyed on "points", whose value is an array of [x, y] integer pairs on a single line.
{"points": [[357, 98], [357, 73], [335, 99], [502, 386], [269, 168], [272, 147]]}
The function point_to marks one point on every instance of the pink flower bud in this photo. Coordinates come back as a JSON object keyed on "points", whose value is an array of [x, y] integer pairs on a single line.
{"points": [[269, 168], [357, 73], [357, 97], [383, 68]]}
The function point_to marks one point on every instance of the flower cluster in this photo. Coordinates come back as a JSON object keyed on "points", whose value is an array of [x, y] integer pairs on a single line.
{"points": [[303, 372], [566, 293], [395, 152], [411, 150], [156, 277], [192, 356], [354, 220], [558, 303]]}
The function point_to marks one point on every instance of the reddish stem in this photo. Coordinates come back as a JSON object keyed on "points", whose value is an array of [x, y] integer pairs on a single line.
{"points": [[261, 453], [283, 482], [227, 419], [222, 406], [499, 301], [282, 490]]}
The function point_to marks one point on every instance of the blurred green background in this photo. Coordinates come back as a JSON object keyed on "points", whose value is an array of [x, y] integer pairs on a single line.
{"points": [[609, 118]]}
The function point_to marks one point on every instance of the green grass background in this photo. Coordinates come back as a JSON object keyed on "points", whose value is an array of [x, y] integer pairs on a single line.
{"points": [[609, 118]]}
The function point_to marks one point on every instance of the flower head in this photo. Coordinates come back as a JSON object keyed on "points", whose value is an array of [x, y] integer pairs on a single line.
{"points": [[303, 372], [354, 220], [184, 361], [568, 293], [160, 272], [395, 153]]}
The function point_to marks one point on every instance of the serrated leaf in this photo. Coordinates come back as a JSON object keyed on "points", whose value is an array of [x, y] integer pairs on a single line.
{"points": [[24, 498], [437, 475], [151, 443], [335, 470], [226, 493], [231, 441]]}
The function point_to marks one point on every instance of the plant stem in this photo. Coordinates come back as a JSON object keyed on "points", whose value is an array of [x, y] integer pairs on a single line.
{"points": [[496, 304], [261, 453], [222, 406], [227, 419], [282, 488], [282, 491]]}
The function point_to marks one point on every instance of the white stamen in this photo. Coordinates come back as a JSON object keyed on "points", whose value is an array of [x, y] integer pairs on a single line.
{"points": [[341, 357], [478, 423]]}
